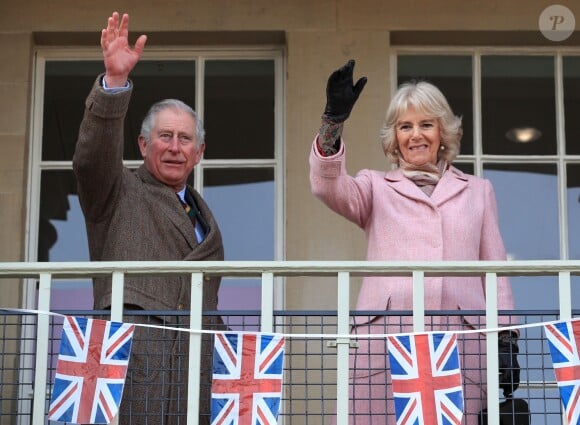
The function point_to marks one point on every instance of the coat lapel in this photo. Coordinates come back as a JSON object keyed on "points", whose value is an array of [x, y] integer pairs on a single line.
{"points": [[169, 205], [212, 246], [401, 184], [452, 183]]}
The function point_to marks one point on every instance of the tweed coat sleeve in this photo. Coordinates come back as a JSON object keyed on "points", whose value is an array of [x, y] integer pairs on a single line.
{"points": [[98, 157]]}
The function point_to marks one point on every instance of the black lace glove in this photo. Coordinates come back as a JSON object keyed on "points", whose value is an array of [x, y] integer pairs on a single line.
{"points": [[509, 368], [341, 95]]}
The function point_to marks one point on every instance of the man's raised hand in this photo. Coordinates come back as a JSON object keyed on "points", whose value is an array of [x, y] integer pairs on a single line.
{"points": [[118, 56]]}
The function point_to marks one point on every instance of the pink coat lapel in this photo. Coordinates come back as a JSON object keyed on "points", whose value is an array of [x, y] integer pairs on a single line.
{"points": [[451, 184]]}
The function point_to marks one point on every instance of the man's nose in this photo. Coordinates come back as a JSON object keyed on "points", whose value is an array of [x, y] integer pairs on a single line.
{"points": [[174, 143]]}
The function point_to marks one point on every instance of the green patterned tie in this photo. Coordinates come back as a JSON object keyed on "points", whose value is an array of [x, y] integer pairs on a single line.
{"points": [[187, 209]]}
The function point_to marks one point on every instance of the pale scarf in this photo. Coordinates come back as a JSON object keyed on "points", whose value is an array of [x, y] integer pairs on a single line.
{"points": [[425, 176]]}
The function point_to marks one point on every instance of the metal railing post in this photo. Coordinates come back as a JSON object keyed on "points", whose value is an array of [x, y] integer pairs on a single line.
{"points": [[491, 322], [418, 301], [565, 295], [117, 297], [193, 383], [267, 320], [117, 301], [565, 301], [42, 331], [342, 348]]}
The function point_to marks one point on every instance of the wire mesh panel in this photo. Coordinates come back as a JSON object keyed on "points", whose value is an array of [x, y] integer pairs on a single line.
{"points": [[309, 385], [540, 389], [310, 370], [16, 366]]}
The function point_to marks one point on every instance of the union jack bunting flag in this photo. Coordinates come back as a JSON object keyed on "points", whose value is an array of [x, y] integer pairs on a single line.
{"points": [[247, 379], [426, 379], [564, 341], [91, 371]]}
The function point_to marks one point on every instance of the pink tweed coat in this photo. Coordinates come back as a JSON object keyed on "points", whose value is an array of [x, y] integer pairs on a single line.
{"points": [[458, 222]]}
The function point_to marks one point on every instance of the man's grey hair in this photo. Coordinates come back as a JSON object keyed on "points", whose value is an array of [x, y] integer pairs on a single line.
{"points": [[149, 120]]}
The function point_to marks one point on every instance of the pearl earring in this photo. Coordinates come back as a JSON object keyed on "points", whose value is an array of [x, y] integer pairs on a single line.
{"points": [[442, 147]]}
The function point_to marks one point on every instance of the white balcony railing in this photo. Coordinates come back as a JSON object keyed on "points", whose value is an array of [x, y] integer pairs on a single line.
{"points": [[269, 272]]}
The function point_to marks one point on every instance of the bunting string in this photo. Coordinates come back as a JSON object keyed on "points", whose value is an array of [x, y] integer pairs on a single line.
{"points": [[314, 335]]}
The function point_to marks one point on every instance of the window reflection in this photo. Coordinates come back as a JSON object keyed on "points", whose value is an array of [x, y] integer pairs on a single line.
{"points": [[571, 71], [575, 292], [573, 201], [239, 109], [466, 167], [527, 198], [452, 75], [61, 225], [242, 201], [518, 92], [66, 85], [62, 237]]}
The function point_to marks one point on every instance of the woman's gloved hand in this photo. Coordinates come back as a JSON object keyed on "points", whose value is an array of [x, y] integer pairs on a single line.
{"points": [[509, 368], [341, 94]]}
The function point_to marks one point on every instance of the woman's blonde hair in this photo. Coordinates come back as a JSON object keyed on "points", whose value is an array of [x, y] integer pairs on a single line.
{"points": [[428, 99]]}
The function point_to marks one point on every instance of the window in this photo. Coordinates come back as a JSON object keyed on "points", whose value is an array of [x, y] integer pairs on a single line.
{"points": [[238, 96]]}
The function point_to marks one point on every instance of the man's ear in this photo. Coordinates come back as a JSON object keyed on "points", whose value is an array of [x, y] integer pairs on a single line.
{"points": [[142, 145], [199, 154]]}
